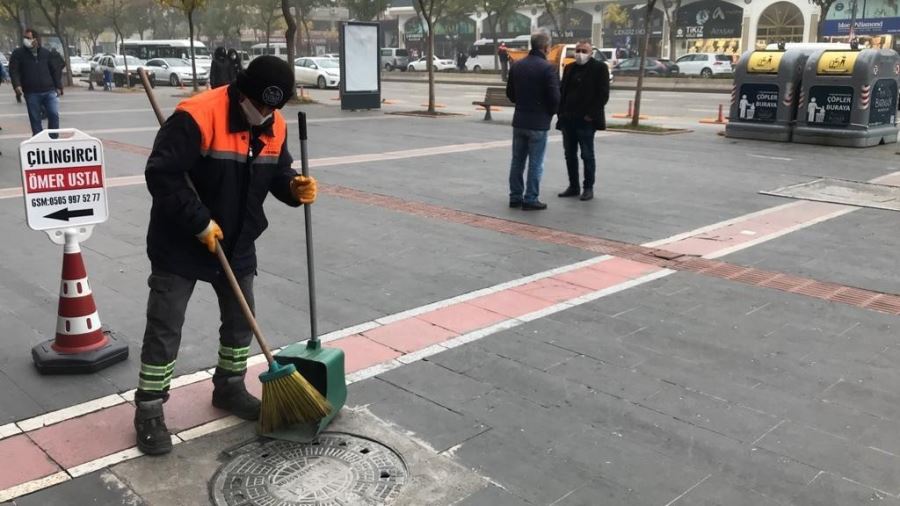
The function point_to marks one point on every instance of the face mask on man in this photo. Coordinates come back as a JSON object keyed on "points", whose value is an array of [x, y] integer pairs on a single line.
{"points": [[582, 58], [252, 114], [27, 42]]}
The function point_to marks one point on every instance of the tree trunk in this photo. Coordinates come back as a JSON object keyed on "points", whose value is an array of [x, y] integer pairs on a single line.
{"points": [[636, 112], [120, 36], [431, 108], [291, 31], [190, 16]]}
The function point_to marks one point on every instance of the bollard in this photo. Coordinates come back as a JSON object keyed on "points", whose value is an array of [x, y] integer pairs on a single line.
{"points": [[719, 120]]}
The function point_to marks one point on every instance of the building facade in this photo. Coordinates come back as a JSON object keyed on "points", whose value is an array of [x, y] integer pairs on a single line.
{"points": [[714, 26]]}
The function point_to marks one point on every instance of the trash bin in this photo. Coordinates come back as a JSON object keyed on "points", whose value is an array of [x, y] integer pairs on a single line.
{"points": [[849, 98], [764, 97]]}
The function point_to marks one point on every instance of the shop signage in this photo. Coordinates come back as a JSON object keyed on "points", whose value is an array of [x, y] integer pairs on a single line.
{"points": [[829, 106], [884, 103], [873, 17], [709, 19], [758, 102]]}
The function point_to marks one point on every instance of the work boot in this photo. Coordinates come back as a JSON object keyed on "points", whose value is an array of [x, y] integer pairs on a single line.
{"points": [[152, 434], [537, 205], [232, 396], [571, 191], [587, 195]]}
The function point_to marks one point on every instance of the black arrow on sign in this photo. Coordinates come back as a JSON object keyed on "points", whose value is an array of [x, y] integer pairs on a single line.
{"points": [[64, 214]]}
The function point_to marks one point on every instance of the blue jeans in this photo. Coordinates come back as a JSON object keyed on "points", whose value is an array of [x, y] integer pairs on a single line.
{"points": [[47, 101], [530, 144], [579, 133]]}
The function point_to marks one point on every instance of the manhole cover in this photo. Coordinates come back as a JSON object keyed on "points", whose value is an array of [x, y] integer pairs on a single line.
{"points": [[334, 470]]}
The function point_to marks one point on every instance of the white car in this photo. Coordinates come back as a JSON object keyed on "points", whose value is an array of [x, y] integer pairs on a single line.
{"points": [[704, 64], [80, 65], [421, 65], [322, 72], [176, 71]]}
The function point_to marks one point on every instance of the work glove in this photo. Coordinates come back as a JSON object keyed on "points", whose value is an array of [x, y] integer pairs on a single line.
{"points": [[211, 235], [304, 189]]}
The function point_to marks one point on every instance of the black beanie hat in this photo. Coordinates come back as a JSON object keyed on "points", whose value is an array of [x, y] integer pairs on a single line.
{"points": [[268, 79]]}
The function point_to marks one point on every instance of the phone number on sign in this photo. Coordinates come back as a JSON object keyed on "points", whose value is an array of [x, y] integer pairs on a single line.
{"points": [[68, 199]]}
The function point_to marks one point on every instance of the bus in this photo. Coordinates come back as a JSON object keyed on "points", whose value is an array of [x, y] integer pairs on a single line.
{"points": [[180, 48], [481, 54]]}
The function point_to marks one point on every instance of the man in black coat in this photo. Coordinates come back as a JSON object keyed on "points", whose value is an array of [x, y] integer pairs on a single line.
{"points": [[33, 74], [534, 87], [220, 70], [584, 93]]}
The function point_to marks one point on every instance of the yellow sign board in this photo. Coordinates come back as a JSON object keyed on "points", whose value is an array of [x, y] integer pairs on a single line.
{"points": [[764, 62], [837, 62]]}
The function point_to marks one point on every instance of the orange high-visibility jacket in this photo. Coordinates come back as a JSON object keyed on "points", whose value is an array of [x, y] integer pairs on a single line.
{"points": [[233, 169]]}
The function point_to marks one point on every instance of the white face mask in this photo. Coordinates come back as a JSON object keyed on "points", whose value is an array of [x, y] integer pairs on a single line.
{"points": [[27, 42], [582, 58], [252, 114]]}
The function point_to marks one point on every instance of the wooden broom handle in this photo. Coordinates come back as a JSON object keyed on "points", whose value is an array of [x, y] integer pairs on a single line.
{"points": [[243, 302]]}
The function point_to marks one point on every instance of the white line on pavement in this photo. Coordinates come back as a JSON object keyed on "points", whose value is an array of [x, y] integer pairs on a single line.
{"points": [[127, 130], [33, 486], [768, 157], [70, 412], [81, 113]]}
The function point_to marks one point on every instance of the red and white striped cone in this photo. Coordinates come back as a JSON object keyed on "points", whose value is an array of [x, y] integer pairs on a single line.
{"points": [[78, 327], [80, 344]]}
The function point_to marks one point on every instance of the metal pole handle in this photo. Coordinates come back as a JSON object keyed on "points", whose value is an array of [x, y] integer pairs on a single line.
{"points": [[314, 342]]}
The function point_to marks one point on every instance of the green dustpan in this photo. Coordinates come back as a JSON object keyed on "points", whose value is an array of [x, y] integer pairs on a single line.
{"points": [[322, 367]]}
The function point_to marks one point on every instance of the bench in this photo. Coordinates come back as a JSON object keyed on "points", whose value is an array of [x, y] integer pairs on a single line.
{"points": [[493, 96]]}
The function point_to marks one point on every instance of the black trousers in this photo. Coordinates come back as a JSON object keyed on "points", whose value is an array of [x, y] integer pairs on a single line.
{"points": [[166, 306]]}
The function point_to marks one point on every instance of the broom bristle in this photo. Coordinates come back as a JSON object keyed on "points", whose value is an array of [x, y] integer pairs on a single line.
{"points": [[290, 400]]}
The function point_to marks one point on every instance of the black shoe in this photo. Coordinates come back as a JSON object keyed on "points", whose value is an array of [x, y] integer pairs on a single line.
{"points": [[571, 191], [232, 396], [537, 205], [515, 204], [152, 434], [587, 195]]}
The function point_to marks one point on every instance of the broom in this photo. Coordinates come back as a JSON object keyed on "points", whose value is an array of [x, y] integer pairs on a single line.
{"points": [[287, 399]]}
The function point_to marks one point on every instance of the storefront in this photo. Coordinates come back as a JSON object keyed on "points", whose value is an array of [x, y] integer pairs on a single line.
{"points": [[877, 22], [623, 28], [450, 37], [709, 26]]}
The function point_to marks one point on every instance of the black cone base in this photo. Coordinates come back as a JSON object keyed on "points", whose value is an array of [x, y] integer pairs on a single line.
{"points": [[49, 361]]}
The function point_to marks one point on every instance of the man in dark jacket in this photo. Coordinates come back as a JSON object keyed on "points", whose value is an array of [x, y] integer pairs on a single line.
{"points": [[235, 64], [534, 87], [219, 71], [32, 73], [584, 93], [213, 163]]}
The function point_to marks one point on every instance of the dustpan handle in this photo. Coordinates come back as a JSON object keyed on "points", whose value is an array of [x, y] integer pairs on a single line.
{"points": [[307, 215]]}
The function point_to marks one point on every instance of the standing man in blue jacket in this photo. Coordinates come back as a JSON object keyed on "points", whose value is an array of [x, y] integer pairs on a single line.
{"points": [[32, 72], [533, 86]]}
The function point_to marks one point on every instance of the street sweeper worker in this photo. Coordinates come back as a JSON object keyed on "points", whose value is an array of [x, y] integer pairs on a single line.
{"points": [[230, 143]]}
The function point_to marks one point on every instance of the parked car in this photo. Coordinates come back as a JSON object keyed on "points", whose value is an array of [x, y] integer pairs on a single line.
{"points": [[652, 67], [80, 65], [176, 72], [393, 58], [322, 72], [333, 56], [705, 64], [116, 65], [421, 65]]}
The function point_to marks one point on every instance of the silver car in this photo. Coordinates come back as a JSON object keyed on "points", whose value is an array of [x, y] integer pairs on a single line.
{"points": [[394, 58], [177, 71]]}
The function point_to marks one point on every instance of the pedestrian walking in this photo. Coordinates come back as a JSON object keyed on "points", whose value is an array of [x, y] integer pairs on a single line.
{"points": [[213, 163], [534, 87], [503, 56], [33, 75], [219, 70], [461, 60], [235, 65], [583, 95]]}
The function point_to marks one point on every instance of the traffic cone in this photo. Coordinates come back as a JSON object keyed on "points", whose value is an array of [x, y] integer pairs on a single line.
{"points": [[80, 344]]}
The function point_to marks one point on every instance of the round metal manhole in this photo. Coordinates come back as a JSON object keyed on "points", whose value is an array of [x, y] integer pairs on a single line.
{"points": [[336, 469]]}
